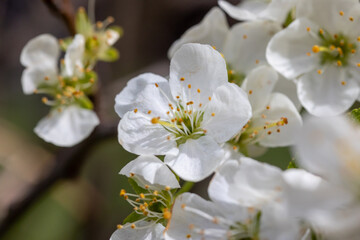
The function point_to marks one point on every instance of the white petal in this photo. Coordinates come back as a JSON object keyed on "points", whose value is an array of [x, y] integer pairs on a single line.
{"points": [[246, 44], [288, 50], [250, 183], [68, 127], [196, 159], [307, 193], [328, 147], [33, 77], [141, 93], [191, 213], [326, 13], [41, 52], [153, 232], [202, 67], [325, 94], [243, 13], [74, 56], [212, 30], [138, 135], [288, 87], [279, 106], [150, 170], [226, 113], [278, 10], [112, 37], [259, 84]]}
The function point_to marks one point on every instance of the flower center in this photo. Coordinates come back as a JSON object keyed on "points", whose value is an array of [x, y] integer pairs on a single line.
{"points": [[334, 48]]}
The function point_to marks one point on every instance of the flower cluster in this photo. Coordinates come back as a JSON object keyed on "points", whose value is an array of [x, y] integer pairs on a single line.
{"points": [[70, 84], [233, 92]]}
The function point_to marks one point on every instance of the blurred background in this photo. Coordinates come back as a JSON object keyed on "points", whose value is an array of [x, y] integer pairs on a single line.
{"points": [[84, 205]]}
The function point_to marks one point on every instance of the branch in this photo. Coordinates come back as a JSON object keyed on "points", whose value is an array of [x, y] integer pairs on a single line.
{"points": [[66, 13], [68, 165]]}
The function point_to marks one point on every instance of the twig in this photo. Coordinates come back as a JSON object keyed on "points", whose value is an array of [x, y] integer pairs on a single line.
{"points": [[68, 165], [66, 13]]}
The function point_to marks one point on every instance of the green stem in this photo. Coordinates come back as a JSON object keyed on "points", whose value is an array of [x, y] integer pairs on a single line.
{"points": [[185, 188]]}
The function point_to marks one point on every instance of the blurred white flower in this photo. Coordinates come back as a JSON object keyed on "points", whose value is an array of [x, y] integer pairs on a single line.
{"points": [[320, 50], [186, 118], [69, 122], [142, 231], [250, 10]]}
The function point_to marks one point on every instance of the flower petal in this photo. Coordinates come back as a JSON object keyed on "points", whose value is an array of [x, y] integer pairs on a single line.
{"points": [[212, 30], [141, 232], [150, 170], [196, 67], [259, 84], [138, 135], [249, 183], [33, 77], [241, 12], [288, 51], [142, 94], [74, 56], [328, 94], [112, 37], [68, 127], [326, 13], [196, 159], [41, 52], [288, 88], [246, 44], [226, 113], [280, 107]]}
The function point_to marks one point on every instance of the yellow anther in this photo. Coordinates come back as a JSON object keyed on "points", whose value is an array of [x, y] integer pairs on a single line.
{"points": [[316, 49], [269, 132], [132, 174], [244, 36], [119, 226], [155, 120], [257, 61], [189, 86], [321, 31], [198, 90], [213, 47], [110, 19], [44, 99], [133, 226], [332, 47], [353, 51], [99, 24], [341, 13], [209, 98], [308, 29], [319, 71], [250, 92], [155, 193], [267, 107], [122, 192], [183, 205], [278, 130], [146, 186], [339, 63], [166, 214], [157, 85], [234, 148], [188, 236], [343, 83], [46, 78], [358, 64], [142, 195], [167, 188], [149, 112], [135, 110], [351, 19], [182, 79]]}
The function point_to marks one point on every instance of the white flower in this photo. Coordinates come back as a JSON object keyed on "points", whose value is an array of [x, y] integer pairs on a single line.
{"points": [[68, 127], [68, 123], [275, 119], [142, 232], [319, 49], [185, 118], [329, 148], [250, 10], [150, 171], [152, 204]]}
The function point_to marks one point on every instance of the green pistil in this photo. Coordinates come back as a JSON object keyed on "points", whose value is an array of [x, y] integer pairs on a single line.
{"points": [[335, 49], [234, 76]]}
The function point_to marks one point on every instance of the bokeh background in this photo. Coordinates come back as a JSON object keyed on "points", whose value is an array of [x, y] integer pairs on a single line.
{"points": [[87, 205]]}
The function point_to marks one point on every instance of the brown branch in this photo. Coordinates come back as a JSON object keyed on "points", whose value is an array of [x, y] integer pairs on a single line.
{"points": [[68, 165], [65, 12]]}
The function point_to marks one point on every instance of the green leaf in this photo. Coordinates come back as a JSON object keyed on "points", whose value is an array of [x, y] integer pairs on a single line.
{"points": [[82, 23], [109, 55], [355, 115], [133, 217], [136, 187]]}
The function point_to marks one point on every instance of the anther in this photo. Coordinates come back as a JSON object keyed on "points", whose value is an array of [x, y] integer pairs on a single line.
{"points": [[308, 54], [132, 174], [321, 31], [189, 86], [157, 85], [351, 19], [122, 192], [358, 64], [119, 226], [308, 29], [133, 226], [278, 130], [209, 98], [269, 132], [46, 78], [142, 195], [183, 205], [316, 49], [341, 13], [257, 61], [182, 79], [44, 99], [198, 90], [135, 110], [166, 214], [188, 236], [319, 71], [244, 36], [343, 83], [149, 112], [267, 107], [250, 92], [339, 63], [167, 188]]}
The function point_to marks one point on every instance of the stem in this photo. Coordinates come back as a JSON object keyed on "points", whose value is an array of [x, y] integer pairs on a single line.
{"points": [[66, 13], [185, 188]]}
